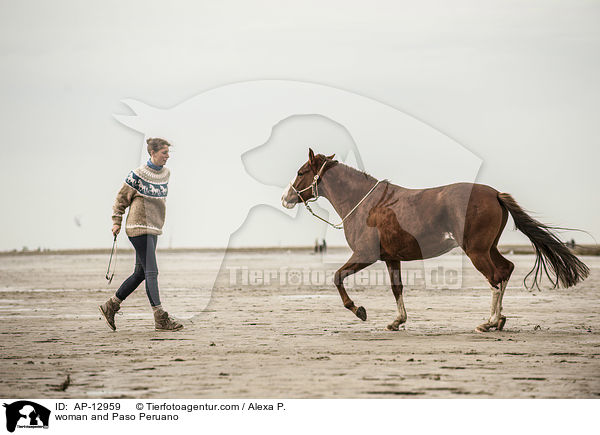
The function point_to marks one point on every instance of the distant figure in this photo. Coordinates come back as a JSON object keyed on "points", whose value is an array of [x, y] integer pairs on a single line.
{"points": [[144, 192], [320, 247], [571, 244]]}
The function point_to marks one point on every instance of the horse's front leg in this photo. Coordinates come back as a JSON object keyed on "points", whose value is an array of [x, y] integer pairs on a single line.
{"points": [[396, 280], [353, 265]]}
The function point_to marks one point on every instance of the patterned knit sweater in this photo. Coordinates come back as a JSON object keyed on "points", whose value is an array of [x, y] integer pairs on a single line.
{"points": [[144, 192]]}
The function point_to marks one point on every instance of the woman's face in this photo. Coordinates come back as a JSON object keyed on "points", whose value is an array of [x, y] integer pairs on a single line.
{"points": [[161, 156]]}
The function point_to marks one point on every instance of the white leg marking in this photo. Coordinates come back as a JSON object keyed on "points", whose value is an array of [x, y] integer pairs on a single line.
{"points": [[494, 314], [496, 310], [401, 310], [401, 315], [503, 285]]}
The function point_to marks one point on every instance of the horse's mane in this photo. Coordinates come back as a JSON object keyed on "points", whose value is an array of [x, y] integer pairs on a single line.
{"points": [[358, 171]]}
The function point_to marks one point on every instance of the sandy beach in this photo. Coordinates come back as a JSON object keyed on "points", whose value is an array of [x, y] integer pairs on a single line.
{"points": [[258, 337]]}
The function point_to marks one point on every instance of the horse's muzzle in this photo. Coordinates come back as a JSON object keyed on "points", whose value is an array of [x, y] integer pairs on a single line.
{"points": [[289, 199]]}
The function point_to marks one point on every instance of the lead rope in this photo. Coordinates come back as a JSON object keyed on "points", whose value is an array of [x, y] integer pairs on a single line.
{"points": [[113, 251], [315, 190], [341, 224]]}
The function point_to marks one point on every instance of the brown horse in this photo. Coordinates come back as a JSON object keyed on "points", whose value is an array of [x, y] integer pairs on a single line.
{"points": [[386, 222]]}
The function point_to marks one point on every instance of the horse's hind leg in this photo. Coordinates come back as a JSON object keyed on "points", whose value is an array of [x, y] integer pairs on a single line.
{"points": [[497, 270], [504, 270], [484, 264], [482, 232], [496, 319], [353, 265], [396, 280]]}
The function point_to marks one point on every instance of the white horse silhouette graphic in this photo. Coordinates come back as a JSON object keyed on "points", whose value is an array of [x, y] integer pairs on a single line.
{"points": [[212, 192]]}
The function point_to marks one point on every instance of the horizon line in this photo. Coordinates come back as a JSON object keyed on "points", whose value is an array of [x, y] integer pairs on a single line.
{"points": [[525, 248]]}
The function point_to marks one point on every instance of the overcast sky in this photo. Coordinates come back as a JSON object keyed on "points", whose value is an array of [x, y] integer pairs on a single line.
{"points": [[514, 82]]}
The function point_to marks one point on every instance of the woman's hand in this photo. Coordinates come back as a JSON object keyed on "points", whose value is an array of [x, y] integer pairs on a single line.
{"points": [[116, 229]]}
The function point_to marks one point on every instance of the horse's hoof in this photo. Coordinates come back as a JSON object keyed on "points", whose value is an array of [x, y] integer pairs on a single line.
{"points": [[392, 327], [361, 313], [501, 323], [482, 328]]}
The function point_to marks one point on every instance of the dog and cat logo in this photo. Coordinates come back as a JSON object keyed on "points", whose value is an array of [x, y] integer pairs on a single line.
{"points": [[26, 414]]}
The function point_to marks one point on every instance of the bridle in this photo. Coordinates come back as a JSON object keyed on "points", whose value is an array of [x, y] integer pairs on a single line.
{"points": [[314, 186], [315, 191]]}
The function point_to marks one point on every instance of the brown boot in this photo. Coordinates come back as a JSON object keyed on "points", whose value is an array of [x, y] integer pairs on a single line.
{"points": [[164, 322], [108, 310]]}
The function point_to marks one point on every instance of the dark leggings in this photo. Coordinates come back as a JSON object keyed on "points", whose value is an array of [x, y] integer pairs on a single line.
{"points": [[145, 269]]}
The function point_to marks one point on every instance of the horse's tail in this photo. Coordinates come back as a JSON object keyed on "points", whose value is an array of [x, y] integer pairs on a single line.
{"points": [[550, 252]]}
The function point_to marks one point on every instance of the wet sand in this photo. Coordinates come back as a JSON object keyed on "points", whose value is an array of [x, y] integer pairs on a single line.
{"points": [[249, 338]]}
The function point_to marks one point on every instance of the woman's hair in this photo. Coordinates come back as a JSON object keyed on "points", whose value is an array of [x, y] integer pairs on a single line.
{"points": [[156, 144]]}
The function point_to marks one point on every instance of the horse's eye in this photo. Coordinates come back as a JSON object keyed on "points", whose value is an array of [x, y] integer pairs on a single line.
{"points": [[300, 174]]}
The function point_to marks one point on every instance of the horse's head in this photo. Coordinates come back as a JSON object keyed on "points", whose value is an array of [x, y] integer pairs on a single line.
{"points": [[305, 186]]}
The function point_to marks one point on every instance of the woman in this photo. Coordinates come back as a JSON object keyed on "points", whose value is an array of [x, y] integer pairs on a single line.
{"points": [[144, 192]]}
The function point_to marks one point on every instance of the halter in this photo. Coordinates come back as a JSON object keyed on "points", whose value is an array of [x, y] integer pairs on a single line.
{"points": [[315, 191], [313, 186]]}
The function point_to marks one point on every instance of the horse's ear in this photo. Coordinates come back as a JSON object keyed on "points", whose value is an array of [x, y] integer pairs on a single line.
{"points": [[331, 157], [311, 159]]}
